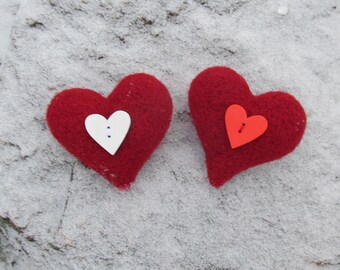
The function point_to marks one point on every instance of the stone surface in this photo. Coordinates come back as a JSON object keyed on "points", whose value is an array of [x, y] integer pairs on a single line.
{"points": [[57, 214]]}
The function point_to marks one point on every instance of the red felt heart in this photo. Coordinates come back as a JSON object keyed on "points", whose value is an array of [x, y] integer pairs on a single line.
{"points": [[211, 93], [142, 96]]}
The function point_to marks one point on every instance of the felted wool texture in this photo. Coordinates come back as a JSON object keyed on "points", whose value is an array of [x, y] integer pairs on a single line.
{"points": [[211, 93], [149, 105]]}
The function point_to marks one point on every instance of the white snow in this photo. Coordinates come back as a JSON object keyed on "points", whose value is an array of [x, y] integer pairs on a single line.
{"points": [[282, 10], [57, 214]]}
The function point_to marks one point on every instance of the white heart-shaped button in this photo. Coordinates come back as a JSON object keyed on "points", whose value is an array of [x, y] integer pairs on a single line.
{"points": [[108, 133]]}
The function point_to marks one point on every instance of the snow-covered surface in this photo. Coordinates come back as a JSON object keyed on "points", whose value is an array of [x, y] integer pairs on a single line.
{"points": [[57, 214]]}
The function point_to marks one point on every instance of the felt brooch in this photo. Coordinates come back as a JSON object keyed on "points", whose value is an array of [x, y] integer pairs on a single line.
{"points": [[116, 135], [239, 130]]}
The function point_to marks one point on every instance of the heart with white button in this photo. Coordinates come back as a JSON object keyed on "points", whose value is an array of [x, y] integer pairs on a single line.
{"points": [[116, 135]]}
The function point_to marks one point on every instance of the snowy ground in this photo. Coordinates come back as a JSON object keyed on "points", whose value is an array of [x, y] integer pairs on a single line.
{"points": [[57, 214]]}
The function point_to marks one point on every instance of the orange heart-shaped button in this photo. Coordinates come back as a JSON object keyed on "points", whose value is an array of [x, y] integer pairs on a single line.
{"points": [[242, 129]]}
